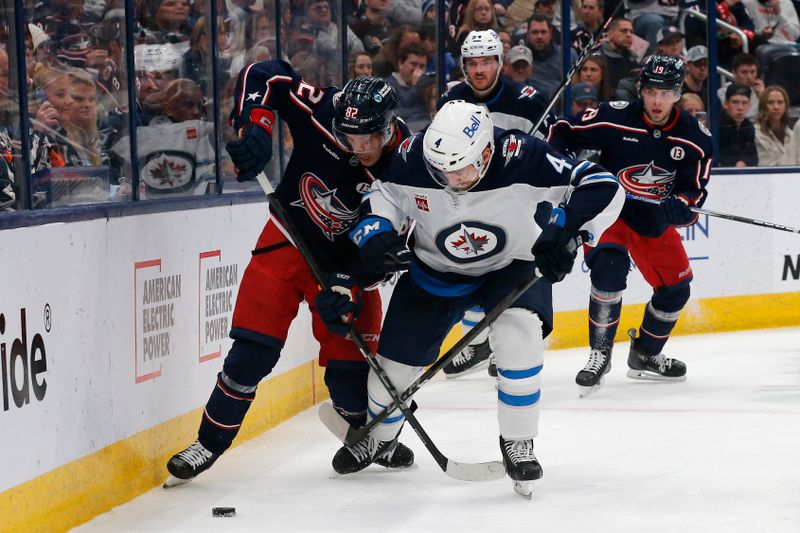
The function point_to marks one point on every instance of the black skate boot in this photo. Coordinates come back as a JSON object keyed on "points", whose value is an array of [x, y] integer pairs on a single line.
{"points": [[653, 367], [591, 377], [186, 465], [468, 360], [492, 370], [399, 456], [351, 459], [521, 464]]}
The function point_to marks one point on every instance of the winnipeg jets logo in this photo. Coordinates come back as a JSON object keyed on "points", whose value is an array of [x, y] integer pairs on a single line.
{"points": [[648, 180], [323, 207], [511, 148], [526, 92], [470, 241]]}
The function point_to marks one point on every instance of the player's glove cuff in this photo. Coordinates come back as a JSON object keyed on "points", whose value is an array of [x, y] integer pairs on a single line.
{"points": [[676, 211]]}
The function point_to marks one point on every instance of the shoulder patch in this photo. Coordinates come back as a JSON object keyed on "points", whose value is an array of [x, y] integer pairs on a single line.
{"points": [[511, 147], [405, 147], [526, 92], [703, 128], [619, 104]]}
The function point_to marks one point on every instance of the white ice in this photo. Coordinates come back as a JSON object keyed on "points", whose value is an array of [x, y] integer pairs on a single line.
{"points": [[719, 452]]}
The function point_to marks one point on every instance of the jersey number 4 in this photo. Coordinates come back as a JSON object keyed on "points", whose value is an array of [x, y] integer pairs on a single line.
{"points": [[558, 163]]}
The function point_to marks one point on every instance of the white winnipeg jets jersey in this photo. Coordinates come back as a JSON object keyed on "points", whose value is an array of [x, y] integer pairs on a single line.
{"points": [[486, 228]]}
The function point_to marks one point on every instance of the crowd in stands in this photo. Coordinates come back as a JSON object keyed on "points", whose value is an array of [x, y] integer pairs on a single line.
{"points": [[77, 87]]}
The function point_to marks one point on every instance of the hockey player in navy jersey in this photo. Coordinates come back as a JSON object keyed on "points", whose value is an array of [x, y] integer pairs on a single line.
{"points": [[657, 152], [511, 106], [473, 192], [341, 139]]}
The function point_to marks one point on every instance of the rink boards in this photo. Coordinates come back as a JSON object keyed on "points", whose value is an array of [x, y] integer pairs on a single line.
{"points": [[113, 330]]}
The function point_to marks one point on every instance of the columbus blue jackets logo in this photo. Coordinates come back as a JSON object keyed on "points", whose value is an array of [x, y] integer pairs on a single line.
{"points": [[470, 241], [648, 180], [323, 207]]}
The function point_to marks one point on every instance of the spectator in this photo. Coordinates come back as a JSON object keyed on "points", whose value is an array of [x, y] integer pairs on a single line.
{"points": [[360, 64], [670, 41], [8, 193], [411, 65], [428, 8], [736, 132], [617, 50], [373, 25], [775, 142], [696, 80], [591, 14], [547, 60], [691, 103], [594, 71], [729, 44], [650, 16], [81, 124], [584, 96], [183, 100], [428, 34], [159, 64], [312, 68], [386, 61], [168, 20], [745, 72], [777, 28], [519, 67], [478, 15]]}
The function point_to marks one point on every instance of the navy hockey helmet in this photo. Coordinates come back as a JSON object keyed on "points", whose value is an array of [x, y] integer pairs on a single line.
{"points": [[366, 106], [662, 72]]}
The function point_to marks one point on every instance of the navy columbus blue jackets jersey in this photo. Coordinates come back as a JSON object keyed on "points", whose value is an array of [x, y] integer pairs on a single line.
{"points": [[322, 186], [459, 236], [648, 160], [511, 105]]}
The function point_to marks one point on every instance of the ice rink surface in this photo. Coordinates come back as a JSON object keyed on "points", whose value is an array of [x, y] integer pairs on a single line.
{"points": [[719, 452]]}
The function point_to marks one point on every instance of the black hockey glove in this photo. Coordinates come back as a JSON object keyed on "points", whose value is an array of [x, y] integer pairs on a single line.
{"points": [[380, 247], [252, 151], [556, 248], [339, 306], [676, 211]]}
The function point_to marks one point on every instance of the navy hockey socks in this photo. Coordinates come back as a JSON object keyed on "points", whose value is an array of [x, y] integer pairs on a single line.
{"points": [[604, 312], [223, 414], [655, 329]]}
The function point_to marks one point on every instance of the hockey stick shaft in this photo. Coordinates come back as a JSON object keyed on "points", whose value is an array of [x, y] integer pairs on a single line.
{"points": [[735, 218], [587, 51], [449, 467]]}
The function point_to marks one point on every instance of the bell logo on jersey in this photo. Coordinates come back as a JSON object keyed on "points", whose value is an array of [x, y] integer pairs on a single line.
{"points": [[511, 148], [470, 241], [323, 207], [648, 180], [470, 130]]}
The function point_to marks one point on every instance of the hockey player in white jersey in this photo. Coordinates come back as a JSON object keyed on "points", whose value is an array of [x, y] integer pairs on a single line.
{"points": [[473, 191], [511, 105]]}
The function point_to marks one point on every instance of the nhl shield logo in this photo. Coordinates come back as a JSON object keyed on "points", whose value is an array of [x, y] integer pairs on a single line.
{"points": [[470, 241]]}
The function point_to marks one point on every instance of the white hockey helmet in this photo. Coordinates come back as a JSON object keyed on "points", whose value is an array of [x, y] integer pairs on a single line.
{"points": [[457, 137], [484, 43]]}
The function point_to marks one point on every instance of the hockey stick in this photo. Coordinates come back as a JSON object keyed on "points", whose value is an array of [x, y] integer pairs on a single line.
{"points": [[726, 216], [587, 52], [464, 471]]}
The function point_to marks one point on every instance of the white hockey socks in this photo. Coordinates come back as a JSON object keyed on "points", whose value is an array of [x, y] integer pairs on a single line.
{"points": [[401, 376]]}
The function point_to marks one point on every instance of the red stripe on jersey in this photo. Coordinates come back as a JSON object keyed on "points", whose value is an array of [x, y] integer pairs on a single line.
{"points": [[610, 125], [690, 143]]}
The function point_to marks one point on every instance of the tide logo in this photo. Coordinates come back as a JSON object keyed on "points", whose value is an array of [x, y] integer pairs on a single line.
{"points": [[21, 365]]}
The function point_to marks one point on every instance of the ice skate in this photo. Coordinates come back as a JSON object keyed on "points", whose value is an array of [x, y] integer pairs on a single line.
{"points": [[521, 465], [351, 459], [187, 464], [653, 367], [396, 457], [468, 360], [591, 377]]}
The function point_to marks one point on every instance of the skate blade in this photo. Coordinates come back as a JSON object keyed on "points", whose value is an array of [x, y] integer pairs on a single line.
{"points": [[173, 481], [524, 489], [583, 392], [648, 375]]}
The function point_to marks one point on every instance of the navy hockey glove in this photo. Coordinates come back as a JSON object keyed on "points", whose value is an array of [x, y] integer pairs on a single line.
{"points": [[556, 248], [380, 247], [339, 306], [676, 211], [252, 151]]}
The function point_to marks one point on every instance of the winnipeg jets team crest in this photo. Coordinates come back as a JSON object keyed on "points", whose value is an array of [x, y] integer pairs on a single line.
{"points": [[168, 170], [323, 207], [470, 241], [648, 180]]}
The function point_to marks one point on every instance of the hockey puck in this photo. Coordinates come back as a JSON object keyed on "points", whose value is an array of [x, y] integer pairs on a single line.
{"points": [[223, 511]]}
